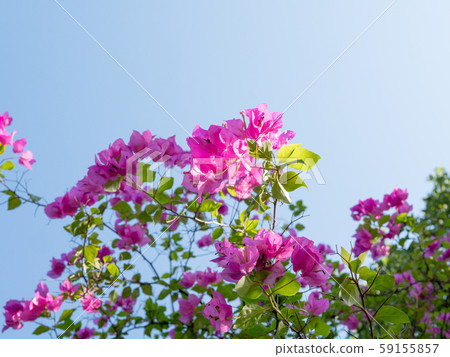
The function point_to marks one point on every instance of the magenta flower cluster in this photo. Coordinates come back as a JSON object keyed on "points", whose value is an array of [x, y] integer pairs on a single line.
{"points": [[221, 155], [112, 163], [376, 210], [219, 313], [7, 139], [29, 310], [59, 265], [266, 251], [202, 278], [205, 241]]}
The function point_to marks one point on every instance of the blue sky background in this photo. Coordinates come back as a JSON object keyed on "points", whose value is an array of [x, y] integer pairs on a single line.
{"points": [[379, 117]]}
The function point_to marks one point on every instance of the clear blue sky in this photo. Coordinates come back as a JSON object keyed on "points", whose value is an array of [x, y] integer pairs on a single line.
{"points": [[379, 117]]}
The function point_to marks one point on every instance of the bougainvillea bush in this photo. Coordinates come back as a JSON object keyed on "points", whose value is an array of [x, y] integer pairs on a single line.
{"points": [[148, 211]]}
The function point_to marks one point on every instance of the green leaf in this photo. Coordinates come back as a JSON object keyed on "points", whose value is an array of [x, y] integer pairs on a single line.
{"points": [[279, 192], [124, 256], [247, 289], [173, 255], [281, 329], [287, 285], [150, 209], [320, 327], [113, 185], [34, 198], [291, 181], [362, 257], [261, 275], [66, 315], [136, 292], [401, 218], [90, 253], [126, 292], [345, 256], [384, 219], [265, 151], [8, 192], [124, 209], [354, 265], [209, 205], [217, 233], [227, 291], [147, 289], [187, 255], [296, 157], [144, 173], [163, 294], [349, 292], [14, 202], [165, 183], [251, 227], [392, 315], [249, 316], [366, 274], [113, 296], [113, 269], [383, 282], [8, 165], [287, 152], [231, 191], [41, 329]]}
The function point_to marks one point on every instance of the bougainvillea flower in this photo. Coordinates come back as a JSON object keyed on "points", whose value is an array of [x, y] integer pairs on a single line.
{"points": [[5, 120], [444, 256], [205, 278], [363, 241], [104, 251], [316, 306], [205, 241], [126, 304], [271, 245], [139, 141], [115, 161], [221, 156], [276, 270], [219, 313], [6, 138], [58, 267], [188, 279], [68, 287], [351, 322], [90, 303], [396, 198], [26, 159], [13, 314], [187, 307], [318, 276], [379, 250], [236, 261], [431, 248], [85, 333], [131, 236], [305, 256], [19, 145], [41, 302], [405, 276]]}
